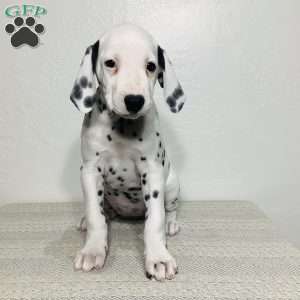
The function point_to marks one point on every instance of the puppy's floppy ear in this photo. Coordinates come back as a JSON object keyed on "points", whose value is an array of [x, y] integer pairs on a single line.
{"points": [[167, 79], [83, 94]]}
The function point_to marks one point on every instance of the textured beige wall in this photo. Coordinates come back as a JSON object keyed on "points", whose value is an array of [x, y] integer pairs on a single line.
{"points": [[238, 135]]}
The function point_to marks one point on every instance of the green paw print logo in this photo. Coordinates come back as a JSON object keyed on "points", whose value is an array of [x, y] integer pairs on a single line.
{"points": [[24, 29]]}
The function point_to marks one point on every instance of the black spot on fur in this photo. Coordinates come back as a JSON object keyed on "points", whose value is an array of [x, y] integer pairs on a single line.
{"points": [[95, 50], [129, 129], [155, 194], [144, 175], [143, 158], [158, 155], [178, 92], [100, 192], [120, 178], [111, 170], [161, 58], [100, 101], [173, 110], [81, 167], [97, 153], [77, 92], [171, 101], [180, 106], [163, 163], [99, 170], [124, 170], [89, 101], [160, 78], [127, 195], [140, 139], [149, 276], [144, 182], [134, 189], [174, 201], [87, 119], [87, 51], [83, 81], [159, 144], [109, 137], [147, 197], [157, 133]]}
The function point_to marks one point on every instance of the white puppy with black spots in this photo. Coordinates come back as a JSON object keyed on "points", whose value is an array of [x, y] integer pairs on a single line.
{"points": [[125, 167]]}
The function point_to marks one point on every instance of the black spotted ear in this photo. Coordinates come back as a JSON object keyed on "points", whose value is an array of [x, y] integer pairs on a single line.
{"points": [[83, 94], [167, 79]]}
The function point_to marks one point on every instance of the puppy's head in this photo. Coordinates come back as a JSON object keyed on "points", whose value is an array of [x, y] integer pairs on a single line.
{"points": [[125, 63]]}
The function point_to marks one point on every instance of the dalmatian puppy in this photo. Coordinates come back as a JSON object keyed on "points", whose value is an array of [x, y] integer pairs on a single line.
{"points": [[125, 167]]}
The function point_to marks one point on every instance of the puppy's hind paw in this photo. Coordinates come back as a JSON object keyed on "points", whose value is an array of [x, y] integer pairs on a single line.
{"points": [[81, 226], [172, 228]]}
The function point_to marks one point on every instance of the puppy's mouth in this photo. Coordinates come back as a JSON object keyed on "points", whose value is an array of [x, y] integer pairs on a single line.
{"points": [[126, 116], [131, 116]]}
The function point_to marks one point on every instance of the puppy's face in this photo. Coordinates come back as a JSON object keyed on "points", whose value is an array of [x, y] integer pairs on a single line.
{"points": [[123, 66], [128, 62]]}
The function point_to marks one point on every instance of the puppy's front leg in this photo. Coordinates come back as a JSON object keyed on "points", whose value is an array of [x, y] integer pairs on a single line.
{"points": [[93, 254], [159, 263]]}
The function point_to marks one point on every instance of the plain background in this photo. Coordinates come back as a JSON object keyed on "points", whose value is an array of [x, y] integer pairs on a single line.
{"points": [[237, 137]]}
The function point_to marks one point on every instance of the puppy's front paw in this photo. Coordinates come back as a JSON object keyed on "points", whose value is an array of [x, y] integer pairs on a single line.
{"points": [[160, 265], [91, 256]]}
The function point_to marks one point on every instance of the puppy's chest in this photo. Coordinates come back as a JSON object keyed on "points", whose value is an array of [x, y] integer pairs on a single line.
{"points": [[120, 174], [117, 146]]}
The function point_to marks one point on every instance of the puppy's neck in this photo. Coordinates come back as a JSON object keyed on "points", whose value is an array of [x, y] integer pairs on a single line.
{"points": [[102, 116], [130, 129]]}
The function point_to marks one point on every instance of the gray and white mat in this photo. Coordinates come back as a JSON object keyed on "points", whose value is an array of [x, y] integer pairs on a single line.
{"points": [[225, 250]]}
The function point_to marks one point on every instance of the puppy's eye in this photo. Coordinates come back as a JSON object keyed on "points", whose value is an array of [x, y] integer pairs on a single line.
{"points": [[110, 63], [151, 67]]}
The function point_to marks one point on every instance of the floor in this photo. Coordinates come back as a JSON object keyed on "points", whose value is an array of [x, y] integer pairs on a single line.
{"points": [[225, 250]]}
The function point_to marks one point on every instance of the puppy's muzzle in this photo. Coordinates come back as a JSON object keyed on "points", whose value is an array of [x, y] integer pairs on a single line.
{"points": [[134, 103]]}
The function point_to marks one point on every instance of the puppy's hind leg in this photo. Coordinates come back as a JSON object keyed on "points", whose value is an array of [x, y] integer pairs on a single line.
{"points": [[171, 203], [81, 226]]}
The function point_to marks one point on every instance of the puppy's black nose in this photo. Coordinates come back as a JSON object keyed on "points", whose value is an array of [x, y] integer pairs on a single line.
{"points": [[134, 103]]}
